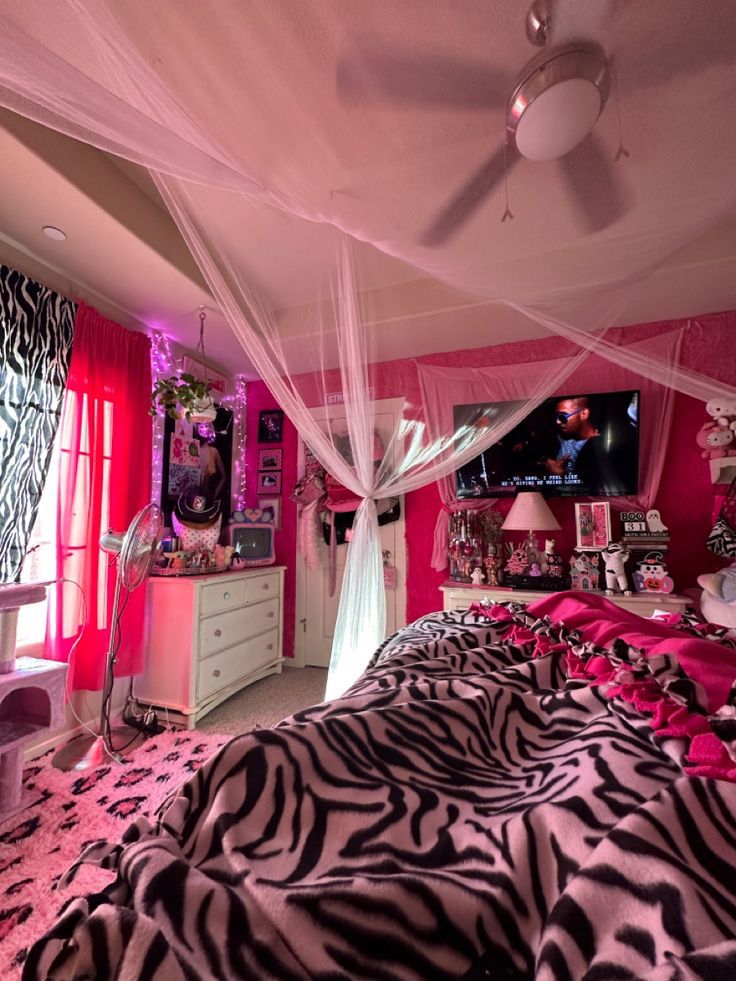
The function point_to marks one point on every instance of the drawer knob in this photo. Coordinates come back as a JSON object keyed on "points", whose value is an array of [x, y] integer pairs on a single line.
{"points": [[269, 647], [218, 632], [226, 595], [216, 673], [264, 586], [272, 614]]}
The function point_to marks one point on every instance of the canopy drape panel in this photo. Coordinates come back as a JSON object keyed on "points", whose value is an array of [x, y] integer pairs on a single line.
{"points": [[104, 479], [295, 158], [444, 387], [36, 325]]}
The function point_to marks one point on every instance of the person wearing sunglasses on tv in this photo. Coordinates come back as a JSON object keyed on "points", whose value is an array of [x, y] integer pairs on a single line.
{"points": [[575, 432], [593, 456]]}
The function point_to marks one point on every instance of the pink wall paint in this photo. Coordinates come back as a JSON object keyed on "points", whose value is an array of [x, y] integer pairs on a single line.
{"points": [[259, 398], [686, 499]]}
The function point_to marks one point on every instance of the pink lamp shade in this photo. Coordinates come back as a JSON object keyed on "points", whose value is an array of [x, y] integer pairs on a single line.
{"points": [[530, 512]]}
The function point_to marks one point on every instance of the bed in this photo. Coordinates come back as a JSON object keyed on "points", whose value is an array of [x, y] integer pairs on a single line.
{"points": [[505, 793]]}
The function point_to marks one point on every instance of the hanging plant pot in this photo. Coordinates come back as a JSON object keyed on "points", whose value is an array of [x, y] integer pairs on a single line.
{"points": [[183, 397], [202, 410]]}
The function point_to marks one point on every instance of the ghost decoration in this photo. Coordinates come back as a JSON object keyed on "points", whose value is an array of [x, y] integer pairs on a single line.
{"points": [[655, 524]]}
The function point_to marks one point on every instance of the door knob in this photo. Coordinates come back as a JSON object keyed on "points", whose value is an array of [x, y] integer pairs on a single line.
{"points": [[216, 673], [218, 632]]}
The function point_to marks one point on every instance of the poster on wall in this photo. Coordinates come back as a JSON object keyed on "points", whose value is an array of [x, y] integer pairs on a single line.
{"points": [[593, 525], [198, 457]]}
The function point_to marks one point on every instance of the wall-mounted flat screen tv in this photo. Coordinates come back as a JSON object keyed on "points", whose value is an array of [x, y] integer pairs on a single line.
{"points": [[571, 445]]}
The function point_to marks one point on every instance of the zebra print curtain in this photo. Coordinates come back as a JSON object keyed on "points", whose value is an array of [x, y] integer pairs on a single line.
{"points": [[36, 329]]}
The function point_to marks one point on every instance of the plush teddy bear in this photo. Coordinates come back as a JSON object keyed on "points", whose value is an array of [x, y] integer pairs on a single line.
{"points": [[715, 441], [723, 412]]}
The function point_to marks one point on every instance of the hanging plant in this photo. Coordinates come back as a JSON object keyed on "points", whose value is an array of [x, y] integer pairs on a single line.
{"points": [[183, 397]]}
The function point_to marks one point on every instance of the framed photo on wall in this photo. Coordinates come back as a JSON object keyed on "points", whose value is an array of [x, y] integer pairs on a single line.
{"points": [[269, 482], [272, 505], [593, 525], [197, 456], [270, 426], [270, 459]]}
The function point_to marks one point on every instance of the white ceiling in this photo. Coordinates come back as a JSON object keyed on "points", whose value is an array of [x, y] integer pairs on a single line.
{"points": [[124, 254]]}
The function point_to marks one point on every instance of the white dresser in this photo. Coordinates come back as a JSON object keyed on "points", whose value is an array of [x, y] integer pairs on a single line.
{"points": [[210, 636], [456, 596]]}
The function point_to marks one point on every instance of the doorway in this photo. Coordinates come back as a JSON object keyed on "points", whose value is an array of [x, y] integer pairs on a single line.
{"points": [[316, 610]]}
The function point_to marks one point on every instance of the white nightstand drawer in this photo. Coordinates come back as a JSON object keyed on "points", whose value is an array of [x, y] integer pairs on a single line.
{"points": [[225, 629], [220, 596], [262, 587], [226, 667]]}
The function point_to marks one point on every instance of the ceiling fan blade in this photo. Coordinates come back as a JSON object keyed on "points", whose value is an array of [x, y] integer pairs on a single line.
{"points": [[459, 209], [596, 191], [390, 78]]}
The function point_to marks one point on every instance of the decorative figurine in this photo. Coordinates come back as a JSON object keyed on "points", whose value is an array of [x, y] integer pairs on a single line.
{"points": [[615, 557], [517, 562], [477, 578], [493, 565], [651, 575], [552, 560], [535, 569], [584, 572], [655, 524]]}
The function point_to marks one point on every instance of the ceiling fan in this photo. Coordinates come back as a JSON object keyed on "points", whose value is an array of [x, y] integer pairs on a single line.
{"points": [[551, 111]]}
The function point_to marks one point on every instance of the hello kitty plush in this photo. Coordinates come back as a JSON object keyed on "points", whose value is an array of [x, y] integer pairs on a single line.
{"points": [[716, 441], [722, 412]]}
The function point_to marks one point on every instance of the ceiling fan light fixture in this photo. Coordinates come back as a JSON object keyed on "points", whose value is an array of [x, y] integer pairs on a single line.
{"points": [[558, 119], [557, 100]]}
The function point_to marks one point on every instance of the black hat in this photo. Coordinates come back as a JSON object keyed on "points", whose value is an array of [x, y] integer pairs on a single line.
{"points": [[196, 508]]}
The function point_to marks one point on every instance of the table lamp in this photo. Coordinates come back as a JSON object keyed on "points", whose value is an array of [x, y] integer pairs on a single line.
{"points": [[530, 512]]}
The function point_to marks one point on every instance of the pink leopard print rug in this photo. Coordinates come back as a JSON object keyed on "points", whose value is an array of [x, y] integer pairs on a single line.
{"points": [[63, 812]]}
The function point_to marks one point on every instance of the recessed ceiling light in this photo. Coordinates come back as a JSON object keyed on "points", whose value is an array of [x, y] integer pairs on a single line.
{"points": [[55, 233]]}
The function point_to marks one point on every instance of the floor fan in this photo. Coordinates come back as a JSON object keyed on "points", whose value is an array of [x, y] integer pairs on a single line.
{"points": [[136, 550]]}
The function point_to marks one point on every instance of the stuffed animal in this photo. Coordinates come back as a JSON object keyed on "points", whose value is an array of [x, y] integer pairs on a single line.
{"points": [[715, 441], [718, 600], [615, 557], [477, 578], [722, 412], [517, 562]]}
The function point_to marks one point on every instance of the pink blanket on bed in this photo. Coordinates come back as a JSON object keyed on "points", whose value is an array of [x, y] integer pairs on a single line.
{"points": [[709, 664]]}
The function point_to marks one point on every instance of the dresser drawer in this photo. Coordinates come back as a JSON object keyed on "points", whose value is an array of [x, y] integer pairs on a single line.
{"points": [[226, 667], [225, 629], [221, 596], [262, 587]]}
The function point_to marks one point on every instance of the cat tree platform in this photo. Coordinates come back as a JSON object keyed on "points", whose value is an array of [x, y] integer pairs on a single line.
{"points": [[31, 695]]}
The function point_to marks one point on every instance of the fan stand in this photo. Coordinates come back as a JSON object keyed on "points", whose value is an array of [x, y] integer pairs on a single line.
{"points": [[88, 751]]}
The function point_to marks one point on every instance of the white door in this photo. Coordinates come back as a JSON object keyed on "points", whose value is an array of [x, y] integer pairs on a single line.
{"points": [[316, 609]]}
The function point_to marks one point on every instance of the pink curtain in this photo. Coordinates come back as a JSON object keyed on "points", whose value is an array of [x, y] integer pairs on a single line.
{"points": [[104, 479]]}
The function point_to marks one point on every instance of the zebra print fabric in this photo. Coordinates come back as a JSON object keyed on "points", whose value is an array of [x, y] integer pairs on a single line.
{"points": [[36, 329], [465, 810]]}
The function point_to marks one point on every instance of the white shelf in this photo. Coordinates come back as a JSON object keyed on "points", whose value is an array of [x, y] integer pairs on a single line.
{"points": [[723, 470]]}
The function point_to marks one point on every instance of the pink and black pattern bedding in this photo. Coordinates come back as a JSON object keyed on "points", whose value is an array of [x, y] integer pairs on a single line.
{"points": [[480, 804]]}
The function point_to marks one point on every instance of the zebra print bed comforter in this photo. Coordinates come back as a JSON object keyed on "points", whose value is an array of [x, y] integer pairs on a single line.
{"points": [[467, 809]]}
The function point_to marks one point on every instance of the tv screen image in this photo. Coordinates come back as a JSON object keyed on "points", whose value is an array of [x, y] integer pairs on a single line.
{"points": [[580, 445]]}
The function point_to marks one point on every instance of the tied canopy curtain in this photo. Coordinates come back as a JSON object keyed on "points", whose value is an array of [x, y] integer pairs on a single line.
{"points": [[297, 157], [104, 479], [36, 329]]}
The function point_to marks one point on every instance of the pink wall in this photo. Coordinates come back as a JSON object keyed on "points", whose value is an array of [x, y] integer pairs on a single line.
{"points": [[686, 498]]}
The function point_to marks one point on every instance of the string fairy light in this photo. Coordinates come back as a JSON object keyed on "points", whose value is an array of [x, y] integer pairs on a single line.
{"points": [[163, 365]]}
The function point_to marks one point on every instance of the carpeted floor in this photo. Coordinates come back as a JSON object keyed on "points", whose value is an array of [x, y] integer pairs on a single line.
{"points": [[268, 701], [65, 811]]}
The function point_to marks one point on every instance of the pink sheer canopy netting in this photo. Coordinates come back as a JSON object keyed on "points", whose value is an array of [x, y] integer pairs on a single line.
{"points": [[236, 111]]}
